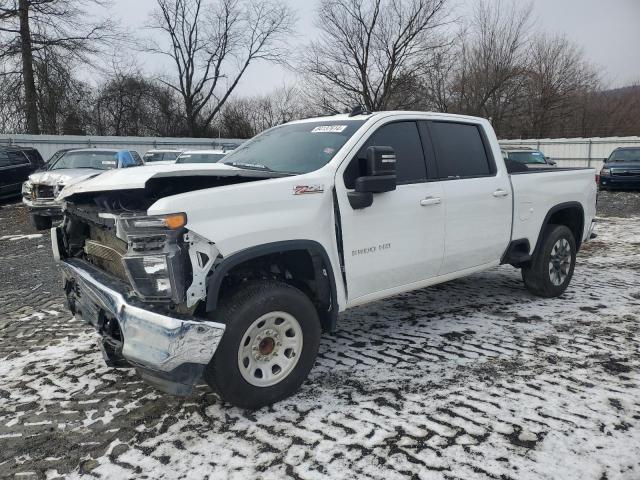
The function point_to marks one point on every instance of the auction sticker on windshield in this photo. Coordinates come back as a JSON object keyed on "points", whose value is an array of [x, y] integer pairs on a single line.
{"points": [[329, 129]]}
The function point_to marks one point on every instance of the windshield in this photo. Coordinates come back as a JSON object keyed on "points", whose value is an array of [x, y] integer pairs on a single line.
{"points": [[527, 157], [200, 157], [626, 155], [97, 160], [294, 148], [54, 158], [160, 156]]}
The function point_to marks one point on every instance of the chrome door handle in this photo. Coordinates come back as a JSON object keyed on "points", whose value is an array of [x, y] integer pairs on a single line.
{"points": [[430, 201], [500, 193]]}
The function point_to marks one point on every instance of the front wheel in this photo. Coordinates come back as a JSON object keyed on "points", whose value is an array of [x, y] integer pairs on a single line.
{"points": [[552, 265], [40, 222], [269, 346]]}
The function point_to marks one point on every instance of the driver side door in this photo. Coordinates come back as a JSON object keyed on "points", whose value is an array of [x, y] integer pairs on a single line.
{"points": [[398, 240]]}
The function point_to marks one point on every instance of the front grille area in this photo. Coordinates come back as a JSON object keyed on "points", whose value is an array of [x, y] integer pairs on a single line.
{"points": [[106, 258], [625, 172], [43, 191], [105, 251]]}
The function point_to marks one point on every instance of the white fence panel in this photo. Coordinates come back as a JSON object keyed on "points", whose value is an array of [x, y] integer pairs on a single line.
{"points": [[576, 152], [47, 145]]}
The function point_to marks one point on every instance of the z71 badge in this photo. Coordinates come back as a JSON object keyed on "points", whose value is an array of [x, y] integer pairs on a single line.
{"points": [[305, 189]]}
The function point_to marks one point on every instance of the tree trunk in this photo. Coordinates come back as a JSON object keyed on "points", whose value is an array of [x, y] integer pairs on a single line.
{"points": [[27, 70]]}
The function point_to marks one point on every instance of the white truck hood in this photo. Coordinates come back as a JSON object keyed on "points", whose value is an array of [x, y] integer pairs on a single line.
{"points": [[137, 177], [63, 176]]}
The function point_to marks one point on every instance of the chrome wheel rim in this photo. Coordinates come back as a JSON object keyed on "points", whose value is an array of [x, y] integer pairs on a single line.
{"points": [[270, 349], [560, 262]]}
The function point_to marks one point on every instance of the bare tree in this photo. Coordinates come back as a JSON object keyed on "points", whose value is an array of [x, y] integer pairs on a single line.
{"points": [[62, 100], [246, 117], [367, 48], [128, 103], [556, 77], [492, 59], [29, 27], [209, 43]]}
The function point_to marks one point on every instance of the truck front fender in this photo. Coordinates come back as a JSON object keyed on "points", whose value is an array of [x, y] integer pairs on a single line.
{"points": [[323, 271]]}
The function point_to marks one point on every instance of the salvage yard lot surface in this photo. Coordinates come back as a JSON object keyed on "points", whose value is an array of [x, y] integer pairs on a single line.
{"points": [[473, 379]]}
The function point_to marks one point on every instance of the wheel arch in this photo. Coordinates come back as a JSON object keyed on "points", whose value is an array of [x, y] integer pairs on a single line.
{"points": [[324, 289], [569, 214]]}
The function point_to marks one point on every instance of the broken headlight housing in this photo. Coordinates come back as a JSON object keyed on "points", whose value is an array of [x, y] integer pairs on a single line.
{"points": [[27, 187], [156, 257]]}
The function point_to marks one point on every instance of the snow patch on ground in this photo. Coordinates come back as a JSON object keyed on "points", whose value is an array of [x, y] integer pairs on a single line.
{"points": [[473, 379]]}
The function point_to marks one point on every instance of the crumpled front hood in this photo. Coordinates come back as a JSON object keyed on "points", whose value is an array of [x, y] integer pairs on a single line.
{"points": [[137, 177], [64, 176]]}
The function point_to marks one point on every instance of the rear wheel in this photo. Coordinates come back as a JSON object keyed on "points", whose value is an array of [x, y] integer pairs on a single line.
{"points": [[269, 346], [40, 222], [552, 266]]}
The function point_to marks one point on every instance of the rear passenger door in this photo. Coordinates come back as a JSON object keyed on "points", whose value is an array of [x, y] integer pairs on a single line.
{"points": [[478, 196]]}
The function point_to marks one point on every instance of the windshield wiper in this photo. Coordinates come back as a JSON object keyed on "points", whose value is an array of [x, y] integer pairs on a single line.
{"points": [[249, 166], [256, 166]]}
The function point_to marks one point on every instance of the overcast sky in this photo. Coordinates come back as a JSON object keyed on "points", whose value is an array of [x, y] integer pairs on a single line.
{"points": [[607, 30]]}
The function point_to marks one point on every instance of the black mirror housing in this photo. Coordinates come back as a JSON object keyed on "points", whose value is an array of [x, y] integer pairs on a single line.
{"points": [[381, 161], [376, 184], [380, 177]]}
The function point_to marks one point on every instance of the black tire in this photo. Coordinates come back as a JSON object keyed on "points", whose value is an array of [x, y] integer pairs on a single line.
{"points": [[40, 222], [538, 275], [238, 313]]}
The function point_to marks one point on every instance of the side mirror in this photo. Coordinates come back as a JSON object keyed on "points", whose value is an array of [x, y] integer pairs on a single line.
{"points": [[550, 161], [380, 176]]}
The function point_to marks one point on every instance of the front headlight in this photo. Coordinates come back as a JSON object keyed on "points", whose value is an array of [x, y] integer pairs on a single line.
{"points": [[26, 188], [57, 189], [605, 171], [173, 221], [155, 262], [150, 275]]}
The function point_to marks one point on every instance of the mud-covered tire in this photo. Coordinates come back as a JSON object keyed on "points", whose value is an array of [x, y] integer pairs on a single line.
{"points": [[549, 274], [240, 313], [40, 222]]}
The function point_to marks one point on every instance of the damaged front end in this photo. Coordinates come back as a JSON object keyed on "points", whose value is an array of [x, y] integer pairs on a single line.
{"points": [[140, 281]]}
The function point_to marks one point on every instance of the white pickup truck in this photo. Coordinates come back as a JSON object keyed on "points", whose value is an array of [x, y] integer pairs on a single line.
{"points": [[229, 272]]}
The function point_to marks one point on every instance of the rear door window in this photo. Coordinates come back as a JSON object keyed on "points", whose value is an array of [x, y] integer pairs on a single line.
{"points": [[404, 138], [4, 160], [460, 150], [18, 158]]}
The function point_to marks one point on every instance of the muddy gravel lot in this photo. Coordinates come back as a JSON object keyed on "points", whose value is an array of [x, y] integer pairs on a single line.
{"points": [[473, 379]]}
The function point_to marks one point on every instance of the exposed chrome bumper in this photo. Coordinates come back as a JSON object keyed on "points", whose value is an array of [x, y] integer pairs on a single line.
{"points": [[45, 207], [168, 352]]}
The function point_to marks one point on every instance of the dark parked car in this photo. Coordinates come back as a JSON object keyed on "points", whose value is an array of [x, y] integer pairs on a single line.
{"points": [[16, 164], [527, 156], [621, 169]]}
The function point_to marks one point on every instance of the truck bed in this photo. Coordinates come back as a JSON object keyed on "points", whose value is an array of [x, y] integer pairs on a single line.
{"points": [[536, 192]]}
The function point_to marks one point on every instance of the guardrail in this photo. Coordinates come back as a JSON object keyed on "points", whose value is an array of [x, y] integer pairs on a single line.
{"points": [[576, 152], [47, 145]]}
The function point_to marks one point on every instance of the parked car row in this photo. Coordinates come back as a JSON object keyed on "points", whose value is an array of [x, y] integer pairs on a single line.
{"points": [[23, 170]]}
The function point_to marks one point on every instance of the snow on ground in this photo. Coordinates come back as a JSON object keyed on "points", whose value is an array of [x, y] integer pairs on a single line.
{"points": [[13, 238], [474, 379]]}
